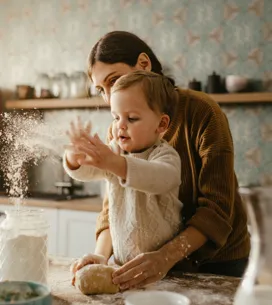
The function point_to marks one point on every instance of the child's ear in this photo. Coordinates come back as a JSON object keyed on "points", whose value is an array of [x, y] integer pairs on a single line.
{"points": [[164, 123]]}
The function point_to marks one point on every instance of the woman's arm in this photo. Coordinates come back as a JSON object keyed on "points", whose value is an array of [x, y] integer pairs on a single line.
{"points": [[153, 266]]}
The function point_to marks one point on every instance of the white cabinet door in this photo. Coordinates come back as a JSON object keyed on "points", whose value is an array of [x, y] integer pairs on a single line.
{"points": [[76, 233], [52, 217]]}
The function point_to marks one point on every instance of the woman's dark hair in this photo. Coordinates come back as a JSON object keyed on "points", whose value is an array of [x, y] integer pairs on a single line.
{"points": [[122, 47]]}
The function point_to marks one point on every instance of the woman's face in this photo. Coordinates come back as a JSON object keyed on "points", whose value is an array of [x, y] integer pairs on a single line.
{"points": [[105, 75]]}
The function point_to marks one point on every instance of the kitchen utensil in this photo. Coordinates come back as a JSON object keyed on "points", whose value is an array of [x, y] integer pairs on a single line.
{"points": [[24, 293], [236, 83], [156, 297]]}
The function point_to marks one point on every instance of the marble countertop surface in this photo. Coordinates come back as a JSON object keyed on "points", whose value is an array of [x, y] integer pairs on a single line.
{"points": [[201, 289]]}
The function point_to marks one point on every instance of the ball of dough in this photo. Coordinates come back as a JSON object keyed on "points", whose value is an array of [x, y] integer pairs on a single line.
{"points": [[95, 279]]}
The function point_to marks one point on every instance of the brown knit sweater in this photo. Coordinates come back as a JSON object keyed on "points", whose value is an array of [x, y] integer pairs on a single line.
{"points": [[199, 131]]}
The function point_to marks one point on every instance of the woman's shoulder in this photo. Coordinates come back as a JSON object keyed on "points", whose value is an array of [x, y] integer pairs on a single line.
{"points": [[200, 105], [199, 100]]}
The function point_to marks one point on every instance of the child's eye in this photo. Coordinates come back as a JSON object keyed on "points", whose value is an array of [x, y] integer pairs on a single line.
{"points": [[133, 119]]}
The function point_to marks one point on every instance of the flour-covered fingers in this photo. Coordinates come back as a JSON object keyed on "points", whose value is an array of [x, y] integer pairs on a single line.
{"points": [[74, 266], [129, 270], [71, 148], [79, 124], [73, 132], [88, 149], [88, 127], [136, 281]]}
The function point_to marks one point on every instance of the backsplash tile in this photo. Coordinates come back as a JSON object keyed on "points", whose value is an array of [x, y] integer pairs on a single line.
{"points": [[191, 38]]}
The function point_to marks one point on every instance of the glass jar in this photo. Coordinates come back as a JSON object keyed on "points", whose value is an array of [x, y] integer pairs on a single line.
{"points": [[42, 86], [78, 85], [256, 285], [23, 246], [60, 86]]}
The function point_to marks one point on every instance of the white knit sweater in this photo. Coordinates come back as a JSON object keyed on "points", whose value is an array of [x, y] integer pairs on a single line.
{"points": [[144, 210]]}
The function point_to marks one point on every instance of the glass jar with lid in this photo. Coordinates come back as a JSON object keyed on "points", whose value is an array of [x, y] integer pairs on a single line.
{"points": [[42, 86], [78, 85], [60, 85], [23, 246]]}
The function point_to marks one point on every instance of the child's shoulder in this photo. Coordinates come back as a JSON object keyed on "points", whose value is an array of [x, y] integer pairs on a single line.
{"points": [[162, 147]]}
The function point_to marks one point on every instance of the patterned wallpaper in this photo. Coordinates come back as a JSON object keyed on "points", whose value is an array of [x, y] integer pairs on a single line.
{"points": [[192, 38]]}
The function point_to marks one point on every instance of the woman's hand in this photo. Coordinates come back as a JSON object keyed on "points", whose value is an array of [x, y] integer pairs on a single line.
{"points": [[150, 267], [87, 259], [144, 269]]}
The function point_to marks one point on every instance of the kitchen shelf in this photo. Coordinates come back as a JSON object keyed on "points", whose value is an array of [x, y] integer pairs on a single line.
{"points": [[92, 102], [245, 98], [97, 101]]}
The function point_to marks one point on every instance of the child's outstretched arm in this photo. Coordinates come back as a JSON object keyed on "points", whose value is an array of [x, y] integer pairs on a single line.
{"points": [[160, 174], [101, 156]]}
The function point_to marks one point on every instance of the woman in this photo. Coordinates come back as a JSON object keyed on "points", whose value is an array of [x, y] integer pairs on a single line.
{"points": [[215, 238]]}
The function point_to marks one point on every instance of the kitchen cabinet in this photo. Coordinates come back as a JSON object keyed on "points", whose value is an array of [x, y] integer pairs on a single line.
{"points": [[76, 233]]}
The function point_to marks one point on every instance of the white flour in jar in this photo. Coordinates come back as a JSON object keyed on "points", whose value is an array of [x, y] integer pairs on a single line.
{"points": [[24, 258]]}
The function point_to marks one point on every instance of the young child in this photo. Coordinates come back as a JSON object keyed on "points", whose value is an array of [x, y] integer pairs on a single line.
{"points": [[143, 171]]}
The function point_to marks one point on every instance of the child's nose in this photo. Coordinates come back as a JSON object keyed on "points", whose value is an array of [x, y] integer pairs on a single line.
{"points": [[122, 124]]}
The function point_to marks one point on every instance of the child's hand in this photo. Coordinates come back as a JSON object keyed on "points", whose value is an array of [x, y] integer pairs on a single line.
{"points": [[87, 259], [96, 152], [76, 132]]}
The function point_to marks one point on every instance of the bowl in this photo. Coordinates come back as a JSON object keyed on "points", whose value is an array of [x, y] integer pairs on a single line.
{"points": [[236, 83], [24, 293], [149, 297]]}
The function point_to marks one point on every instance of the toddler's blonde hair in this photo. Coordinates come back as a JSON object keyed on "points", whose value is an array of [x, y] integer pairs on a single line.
{"points": [[160, 93]]}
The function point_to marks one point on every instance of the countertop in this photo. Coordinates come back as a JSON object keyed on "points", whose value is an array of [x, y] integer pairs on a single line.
{"points": [[92, 204], [201, 289]]}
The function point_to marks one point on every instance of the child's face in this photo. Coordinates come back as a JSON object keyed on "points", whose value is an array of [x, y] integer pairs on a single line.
{"points": [[135, 125]]}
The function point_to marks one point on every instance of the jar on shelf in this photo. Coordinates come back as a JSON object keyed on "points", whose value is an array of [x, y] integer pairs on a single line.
{"points": [[78, 85], [60, 86], [43, 86], [23, 246]]}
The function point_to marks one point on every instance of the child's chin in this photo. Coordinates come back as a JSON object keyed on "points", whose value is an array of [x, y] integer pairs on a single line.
{"points": [[125, 148]]}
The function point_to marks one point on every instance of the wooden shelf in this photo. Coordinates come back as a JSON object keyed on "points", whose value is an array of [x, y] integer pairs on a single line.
{"points": [[97, 101], [92, 102], [245, 98]]}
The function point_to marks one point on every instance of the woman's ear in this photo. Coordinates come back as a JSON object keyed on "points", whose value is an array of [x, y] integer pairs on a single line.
{"points": [[143, 62], [164, 123]]}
